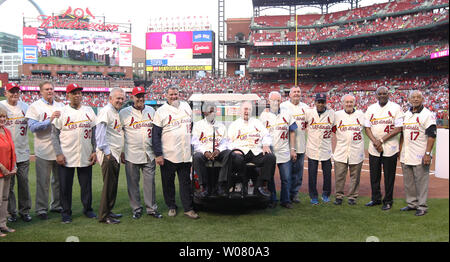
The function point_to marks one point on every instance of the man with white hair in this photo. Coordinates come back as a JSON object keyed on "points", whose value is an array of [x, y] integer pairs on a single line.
{"points": [[384, 121], [209, 139], [251, 137], [110, 141], [419, 135], [297, 111], [281, 127], [349, 151]]}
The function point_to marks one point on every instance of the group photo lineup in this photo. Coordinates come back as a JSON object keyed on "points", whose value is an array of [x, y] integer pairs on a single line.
{"points": [[255, 122]]}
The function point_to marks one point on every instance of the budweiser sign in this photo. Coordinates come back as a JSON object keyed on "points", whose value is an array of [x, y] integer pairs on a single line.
{"points": [[73, 19]]}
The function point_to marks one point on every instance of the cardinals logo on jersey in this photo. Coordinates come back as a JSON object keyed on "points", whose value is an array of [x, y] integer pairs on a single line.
{"points": [[68, 121], [418, 122], [23, 113], [202, 137], [132, 121], [45, 116], [149, 117], [88, 117], [170, 119], [284, 119]]}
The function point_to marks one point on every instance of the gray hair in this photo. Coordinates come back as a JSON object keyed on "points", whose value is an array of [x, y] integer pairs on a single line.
{"points": [[381, 88], [274, 93], [172, 87], [411, 93], [348, 95], [207, 106], [115, 90]]}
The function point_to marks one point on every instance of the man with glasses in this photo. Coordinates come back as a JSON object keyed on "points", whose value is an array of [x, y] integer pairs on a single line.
{"points": [[18, 126]]}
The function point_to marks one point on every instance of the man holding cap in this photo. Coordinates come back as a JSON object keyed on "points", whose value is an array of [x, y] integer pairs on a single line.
{"points": [[137, 125], [74, 145], [320, 121], [18, 126], [40, 116]]}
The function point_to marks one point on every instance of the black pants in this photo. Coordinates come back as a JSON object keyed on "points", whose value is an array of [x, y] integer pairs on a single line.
{"points": [[266, 162], [313, 166], [389, 167], [66, 184], [110, 172], [184, 179], [199, 161]]}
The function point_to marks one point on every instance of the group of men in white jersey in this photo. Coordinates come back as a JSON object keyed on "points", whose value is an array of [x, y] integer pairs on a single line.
{"points": [[72, 136]]}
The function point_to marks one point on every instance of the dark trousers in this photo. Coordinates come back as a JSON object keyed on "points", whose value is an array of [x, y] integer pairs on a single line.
{"points": [[65, 188], [313, 166], [184, 179], [389, 167], [110, 172], [266, 162], [199, 161]]}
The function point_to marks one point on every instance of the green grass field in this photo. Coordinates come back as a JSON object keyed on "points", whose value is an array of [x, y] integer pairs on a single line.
{"points": [[65, 61], [304, 223]]}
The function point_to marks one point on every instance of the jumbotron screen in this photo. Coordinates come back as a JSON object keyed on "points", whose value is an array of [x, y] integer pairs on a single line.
{"points": [[179, 51], [76, 47]]}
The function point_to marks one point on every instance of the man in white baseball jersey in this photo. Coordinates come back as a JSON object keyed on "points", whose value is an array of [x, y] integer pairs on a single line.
{"points": [[138, 153], [281, 127], [18, 126], [74, 145], [384, 121], [171, 141], [210, 142], [110, 139], [297, 110], [419, 135], [40, 116], [320, 122], [349, 151], [250, 136]]}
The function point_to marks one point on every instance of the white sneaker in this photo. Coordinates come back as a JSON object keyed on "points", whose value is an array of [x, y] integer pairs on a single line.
{"points": [[172, 212]]}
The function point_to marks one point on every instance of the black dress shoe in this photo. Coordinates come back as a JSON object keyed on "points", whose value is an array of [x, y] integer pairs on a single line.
{"points": [[420, 212], [386, 207], [137, 214], [373, 203], [287, 205], [90, 214], [12, 218], [338, 201], [263, 191], [43, 216], [155, 215], [26, 217], [408, 208], [112, 215], [110, 221]]}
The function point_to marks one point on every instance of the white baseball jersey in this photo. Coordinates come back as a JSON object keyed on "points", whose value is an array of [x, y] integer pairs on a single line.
{"points": [[319, 130], [41, 111], [298, 113], [137, 127], [278, 127], [382, 121], [76, 134], [114, 132], [203, 138], [349, 137], [176, 131], [414, 137], [18, 126], [248, 135]]}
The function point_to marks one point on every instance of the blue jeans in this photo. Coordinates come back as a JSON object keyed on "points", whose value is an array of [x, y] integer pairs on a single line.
{"points": [[296, 174], [313, 166], [285, 177]]}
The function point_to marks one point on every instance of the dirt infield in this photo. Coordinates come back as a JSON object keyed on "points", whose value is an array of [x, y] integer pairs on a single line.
{"points": [[438, 187]]}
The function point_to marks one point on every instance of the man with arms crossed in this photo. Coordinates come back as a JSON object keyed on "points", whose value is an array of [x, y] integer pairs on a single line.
{"points": [[297, 110], [109, 138], [281, 127], [40, 116], [18, 126], [74, 145], [138, 153], [419, 135], [384, 120], [171, 141], [349, 151]]}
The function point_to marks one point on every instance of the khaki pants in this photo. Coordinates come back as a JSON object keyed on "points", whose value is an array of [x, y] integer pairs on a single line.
{"points": [[4, 193], [340, 173], [415, 180]]}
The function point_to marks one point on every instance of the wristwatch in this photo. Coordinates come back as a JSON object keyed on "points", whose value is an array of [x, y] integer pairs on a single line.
{"points": [[293, 149], [382, 141], [428, 153]]}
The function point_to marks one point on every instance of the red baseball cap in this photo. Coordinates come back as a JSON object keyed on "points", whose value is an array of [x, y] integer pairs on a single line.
{"points": [[12, 85], [73, 87], [138, 90]]}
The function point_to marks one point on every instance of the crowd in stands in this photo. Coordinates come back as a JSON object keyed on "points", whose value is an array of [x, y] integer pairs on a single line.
{"points": [[377, 25], [83, 80]]}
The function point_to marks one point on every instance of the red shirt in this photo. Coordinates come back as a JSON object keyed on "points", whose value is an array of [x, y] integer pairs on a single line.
{"points": [[7, 151]]}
